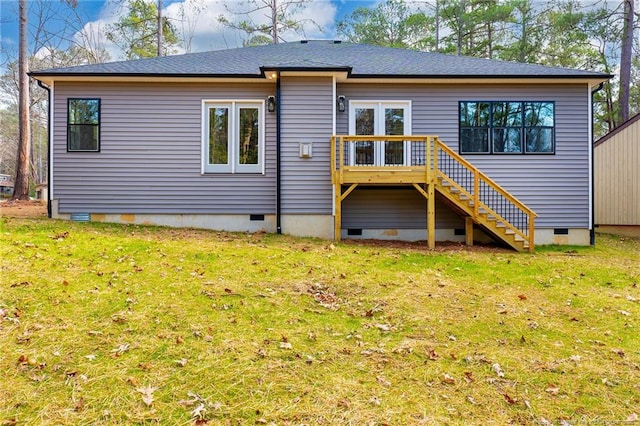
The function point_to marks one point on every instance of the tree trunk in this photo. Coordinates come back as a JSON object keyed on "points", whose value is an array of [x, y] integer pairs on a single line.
{"points": [[274, 21], [625, 60], [21, 188], [159, 28]]}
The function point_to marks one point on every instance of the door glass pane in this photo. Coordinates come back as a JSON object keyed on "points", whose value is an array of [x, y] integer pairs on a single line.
{"points": [[248, 152], [365, 125], [394, 125], [219, 136]]}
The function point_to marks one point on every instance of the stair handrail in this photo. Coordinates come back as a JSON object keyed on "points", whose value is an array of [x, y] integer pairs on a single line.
{"points": [[478, 176]]}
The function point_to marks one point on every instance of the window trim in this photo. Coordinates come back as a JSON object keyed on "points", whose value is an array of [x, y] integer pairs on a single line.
{"points": [[99, 125], [523, 129], [233, 167], [379, 106]]}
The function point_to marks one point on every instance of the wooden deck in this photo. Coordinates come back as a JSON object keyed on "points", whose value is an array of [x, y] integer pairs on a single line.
{"points": [[430, 166]]}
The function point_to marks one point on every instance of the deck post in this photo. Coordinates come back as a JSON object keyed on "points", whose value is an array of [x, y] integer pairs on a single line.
{"points": [[431, 216], [337, 217], [468, 230]]}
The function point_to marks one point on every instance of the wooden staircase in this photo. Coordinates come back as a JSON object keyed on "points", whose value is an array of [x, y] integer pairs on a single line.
{"points": [[431, 166]]}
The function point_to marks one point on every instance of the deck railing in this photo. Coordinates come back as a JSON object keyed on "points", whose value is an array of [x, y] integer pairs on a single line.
{"points": [[424, 160]]}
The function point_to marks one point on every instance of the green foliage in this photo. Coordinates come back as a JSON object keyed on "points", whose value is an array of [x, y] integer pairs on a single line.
{"points": [[390, 24], [136, 32], [111, 324]]}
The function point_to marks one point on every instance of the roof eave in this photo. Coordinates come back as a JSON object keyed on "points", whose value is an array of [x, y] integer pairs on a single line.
{"points": [[592, 80], [49, 78]]}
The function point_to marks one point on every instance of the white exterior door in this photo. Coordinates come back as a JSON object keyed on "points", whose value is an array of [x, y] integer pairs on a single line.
{"points": [[379, 118]]}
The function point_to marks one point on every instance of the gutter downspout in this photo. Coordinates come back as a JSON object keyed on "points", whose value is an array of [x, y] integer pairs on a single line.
{"points": [[592, 232], [49, 131], [278, 162]]}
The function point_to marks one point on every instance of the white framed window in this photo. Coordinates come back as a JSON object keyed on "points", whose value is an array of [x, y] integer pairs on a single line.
{"points": [[233, 136], [379, 118]]}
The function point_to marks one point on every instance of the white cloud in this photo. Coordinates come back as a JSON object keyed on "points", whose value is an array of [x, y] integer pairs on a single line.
{"points": [[198, 22]]}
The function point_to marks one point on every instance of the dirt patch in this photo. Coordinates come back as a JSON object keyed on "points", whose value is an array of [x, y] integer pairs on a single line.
{"points": [[19, 208], [444, 246]]}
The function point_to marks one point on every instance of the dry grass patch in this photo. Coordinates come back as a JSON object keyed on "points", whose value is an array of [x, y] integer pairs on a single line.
{"points": [[109, 324]]}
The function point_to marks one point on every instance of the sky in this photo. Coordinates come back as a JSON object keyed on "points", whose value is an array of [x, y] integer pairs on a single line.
{"points": [[196, 18]]}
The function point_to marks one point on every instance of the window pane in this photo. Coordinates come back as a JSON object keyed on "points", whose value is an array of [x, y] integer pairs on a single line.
{"points": [[248, 149], [83, 137], [394, 121], [474, 114], [507, 140], [219, 136], [539, 140], [84, 111], [507, 114], [394, 125], [538, 114], [365, 124], [474, 140]]}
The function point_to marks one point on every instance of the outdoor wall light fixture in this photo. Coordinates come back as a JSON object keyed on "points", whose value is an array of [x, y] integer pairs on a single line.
{"points": [[342, 105], [271, 103]]}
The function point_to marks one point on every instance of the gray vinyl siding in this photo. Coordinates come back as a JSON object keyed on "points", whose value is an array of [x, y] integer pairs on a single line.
{"points": [[397, 208], [554, 186], [307, 116], [150, 153]]}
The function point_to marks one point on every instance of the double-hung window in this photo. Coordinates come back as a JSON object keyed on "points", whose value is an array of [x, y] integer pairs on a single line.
{"points": [[508, 127], [233, 137], [83, 125]]}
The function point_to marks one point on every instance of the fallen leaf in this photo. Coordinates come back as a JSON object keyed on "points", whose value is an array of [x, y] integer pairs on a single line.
{"points": [[120, 350], [383, 381], [181, 362], [468, 377], [625, 313], [633, 417], [90, 357], [509, 399], [448, 379], [344, 403], [286, 345], [618, 352], [383, 327], [522, 297], [497, 369], [433, 356], [199, 412], [552, 389], [147, 394]]}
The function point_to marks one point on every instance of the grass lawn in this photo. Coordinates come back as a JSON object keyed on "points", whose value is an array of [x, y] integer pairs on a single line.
{"points": [[111, 324]]}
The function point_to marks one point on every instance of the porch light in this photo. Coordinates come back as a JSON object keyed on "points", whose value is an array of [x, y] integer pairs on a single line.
{"points": [[341, 103], [271, 103]]}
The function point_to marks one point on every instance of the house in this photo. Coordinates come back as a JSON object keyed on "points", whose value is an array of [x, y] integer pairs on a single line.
{"points": [[327, 139], [6, 186], [617, 178]]}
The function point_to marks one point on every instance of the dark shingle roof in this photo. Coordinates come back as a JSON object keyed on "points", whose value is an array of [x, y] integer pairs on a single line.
{"points": [[358, 59]]}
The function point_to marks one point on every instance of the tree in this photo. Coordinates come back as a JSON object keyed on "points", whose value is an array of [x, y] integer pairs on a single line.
{"points": [[477, 27], [267, 20], [138, 32], [625, 60], [526, 34], [389, 24], [27, 139], [21, 184]]}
